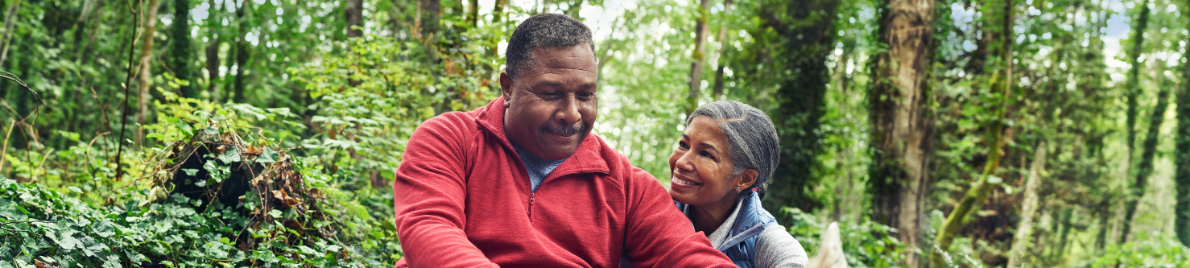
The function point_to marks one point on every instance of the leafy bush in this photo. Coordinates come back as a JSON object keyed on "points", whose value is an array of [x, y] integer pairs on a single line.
{"points": [[866, 243]]}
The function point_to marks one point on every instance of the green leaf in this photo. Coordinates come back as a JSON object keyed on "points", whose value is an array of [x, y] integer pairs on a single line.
{"points": [[190, 171], [104, 228], [275, 213], [230, 155], [268, 155]]}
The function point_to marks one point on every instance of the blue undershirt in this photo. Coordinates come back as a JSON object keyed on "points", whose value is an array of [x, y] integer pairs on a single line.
{"points": [[538, 168]]}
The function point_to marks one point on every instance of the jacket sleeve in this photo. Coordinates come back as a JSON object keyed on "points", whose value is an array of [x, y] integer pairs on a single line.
{"points": [[658, 235], [429, 193]]}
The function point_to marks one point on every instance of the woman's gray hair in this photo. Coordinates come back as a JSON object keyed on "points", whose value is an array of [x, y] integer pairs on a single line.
{"points": [[752, 138]]}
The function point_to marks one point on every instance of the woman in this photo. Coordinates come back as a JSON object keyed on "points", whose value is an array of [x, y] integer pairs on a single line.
{"points": [[720, 171]]}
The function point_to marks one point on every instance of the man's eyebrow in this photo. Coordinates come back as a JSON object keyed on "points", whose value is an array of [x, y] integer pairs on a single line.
{"points": [[587, 85], [549, 84]]}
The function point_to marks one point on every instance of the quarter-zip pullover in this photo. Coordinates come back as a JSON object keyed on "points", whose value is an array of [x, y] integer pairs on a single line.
{"points": [[462, 198]]}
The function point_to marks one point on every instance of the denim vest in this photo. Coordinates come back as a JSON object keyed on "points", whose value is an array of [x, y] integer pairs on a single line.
{"points": [[749, 223]]}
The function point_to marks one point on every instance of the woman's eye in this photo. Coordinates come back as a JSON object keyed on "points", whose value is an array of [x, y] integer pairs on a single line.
{"points": [[683, 145], [707, 155]]}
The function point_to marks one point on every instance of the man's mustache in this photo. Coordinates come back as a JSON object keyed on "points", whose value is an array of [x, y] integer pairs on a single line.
{"points": [[566, 130]]}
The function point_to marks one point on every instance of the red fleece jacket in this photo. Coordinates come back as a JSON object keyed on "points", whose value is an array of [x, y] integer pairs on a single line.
{"points": [[462, 199]]}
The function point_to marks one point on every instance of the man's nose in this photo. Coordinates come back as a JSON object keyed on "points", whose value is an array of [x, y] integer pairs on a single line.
{"points": [[568, 113]]}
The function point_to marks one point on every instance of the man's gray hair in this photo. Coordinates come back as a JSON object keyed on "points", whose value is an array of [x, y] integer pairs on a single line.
{"points": [[752, 138], [543, 30]]}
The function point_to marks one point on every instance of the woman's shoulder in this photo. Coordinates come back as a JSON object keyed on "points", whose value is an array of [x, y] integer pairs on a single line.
{"points": [[776, 248]]}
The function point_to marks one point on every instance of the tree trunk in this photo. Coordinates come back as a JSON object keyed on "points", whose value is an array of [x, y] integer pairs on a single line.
{"points": [[473, 13], [242, 55], [979, 193], [1024, 230], [1182, 157], [805, 40], [718, 91], [902, 123], [700, 38], [1132, 88], [8, 28], [181, 48], [430, 15], [355, 15], [146, 62], [1148, 151]]}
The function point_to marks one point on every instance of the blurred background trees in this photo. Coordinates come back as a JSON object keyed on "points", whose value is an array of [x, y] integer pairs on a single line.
{"points": [[917, 124]]}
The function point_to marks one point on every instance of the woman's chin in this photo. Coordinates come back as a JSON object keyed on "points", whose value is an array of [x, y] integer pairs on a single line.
{"points": [[682, 196]]}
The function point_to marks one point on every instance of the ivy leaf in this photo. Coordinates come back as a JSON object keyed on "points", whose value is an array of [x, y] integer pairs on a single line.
{"points": [[275, 213], [190, 171], [230, 155], [104, 228], [268, 155]]}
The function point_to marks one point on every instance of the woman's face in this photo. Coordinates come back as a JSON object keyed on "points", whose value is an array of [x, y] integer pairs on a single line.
{"points": [[700, 167]]}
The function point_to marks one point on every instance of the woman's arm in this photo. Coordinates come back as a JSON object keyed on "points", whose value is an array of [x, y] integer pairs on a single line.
{"points": [[776, 248]]}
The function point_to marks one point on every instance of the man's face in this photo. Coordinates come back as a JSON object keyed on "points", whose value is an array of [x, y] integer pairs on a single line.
{"points": [[550, 108]]}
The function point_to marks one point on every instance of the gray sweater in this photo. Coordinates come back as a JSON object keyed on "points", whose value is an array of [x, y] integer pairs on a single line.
{"points": [[774, 247]]}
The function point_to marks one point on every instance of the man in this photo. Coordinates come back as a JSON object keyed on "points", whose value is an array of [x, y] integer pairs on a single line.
{"points": [[519, 183]]}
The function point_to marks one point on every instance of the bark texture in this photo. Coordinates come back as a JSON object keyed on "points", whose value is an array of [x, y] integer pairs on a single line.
{"points": [[1182, 157], [902, 122], [1024, 230], [718, 91], [355, 15], [1144, 168], [241, 55], [700, 39], [806, 38], [146, 60], [1000, 81], [181, 48]]}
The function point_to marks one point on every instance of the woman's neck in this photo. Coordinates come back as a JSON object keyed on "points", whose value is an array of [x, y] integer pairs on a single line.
{"points": [[708, 217]]}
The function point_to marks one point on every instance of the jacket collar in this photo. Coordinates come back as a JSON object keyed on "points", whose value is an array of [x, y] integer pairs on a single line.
{"points": [[588, 158]]}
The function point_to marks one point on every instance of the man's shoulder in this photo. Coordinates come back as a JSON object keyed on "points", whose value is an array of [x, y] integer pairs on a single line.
{"points": [[619, 165], [451, 122]]}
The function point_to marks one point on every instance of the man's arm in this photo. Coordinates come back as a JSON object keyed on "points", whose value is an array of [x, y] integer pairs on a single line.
{"points": [[428, 195], [658, 235]]}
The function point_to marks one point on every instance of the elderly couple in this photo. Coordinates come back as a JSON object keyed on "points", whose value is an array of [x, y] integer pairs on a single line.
{"points": [[522, 182]]}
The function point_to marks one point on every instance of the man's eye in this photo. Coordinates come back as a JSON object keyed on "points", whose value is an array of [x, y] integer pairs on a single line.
{"points": [[585, 95]]}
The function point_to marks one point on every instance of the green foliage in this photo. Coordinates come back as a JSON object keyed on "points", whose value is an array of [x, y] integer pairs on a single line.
{"points": [[40, 225], [1145, 251], [866, 243]]}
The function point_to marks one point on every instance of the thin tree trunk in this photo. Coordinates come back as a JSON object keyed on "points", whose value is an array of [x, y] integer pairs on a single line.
{"points": [[473, 13], [1132, 88], [1148, 151], [355, 15], [799, 53], [1182, 158], [242, 55], [431, 14], [979, 193], [8, 27], [146, 70], [181, 48], [700, 38], [718, 91], [1024, 230], [902, 123]]}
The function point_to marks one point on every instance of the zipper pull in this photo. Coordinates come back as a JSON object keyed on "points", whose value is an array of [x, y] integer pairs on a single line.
{"points": [[531, 197]]}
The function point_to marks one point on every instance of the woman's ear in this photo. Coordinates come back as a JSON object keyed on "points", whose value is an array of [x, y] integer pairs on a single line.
{"points": [[747, 178]]}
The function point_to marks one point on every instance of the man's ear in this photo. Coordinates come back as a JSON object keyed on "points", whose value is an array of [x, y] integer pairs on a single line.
{"points": [[506, 87], [747, 179]]}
